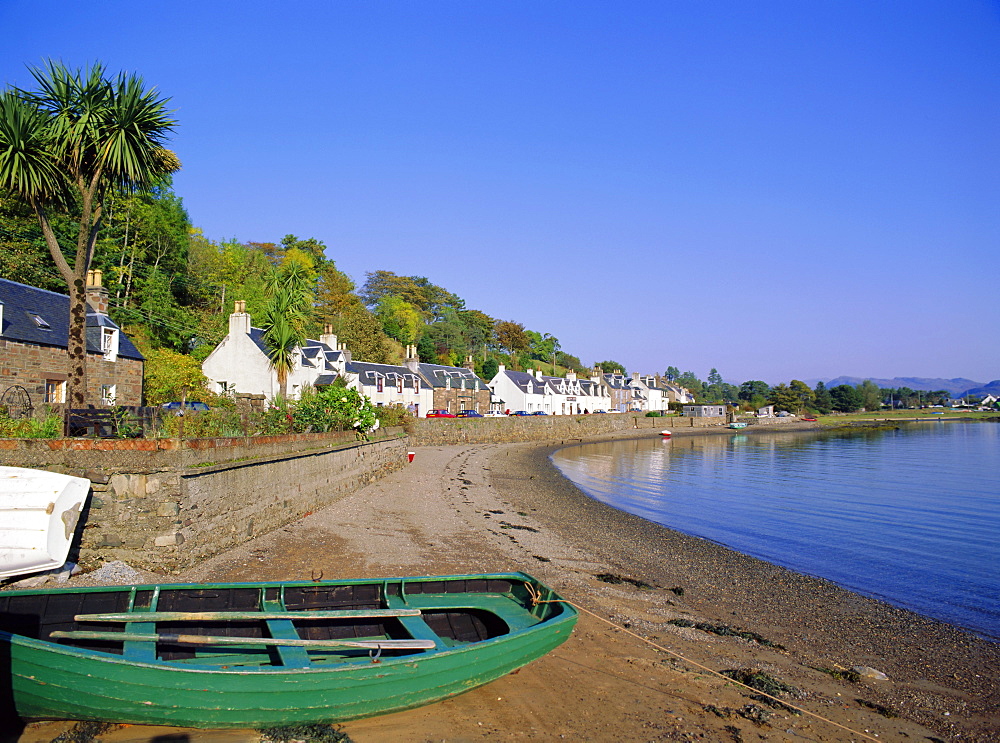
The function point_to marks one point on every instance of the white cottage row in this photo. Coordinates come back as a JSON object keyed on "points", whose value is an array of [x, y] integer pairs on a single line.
{"points": [[534, 392]]}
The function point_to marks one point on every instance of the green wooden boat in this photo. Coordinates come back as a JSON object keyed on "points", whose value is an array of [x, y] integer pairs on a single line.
{"points": [[243, 655]]}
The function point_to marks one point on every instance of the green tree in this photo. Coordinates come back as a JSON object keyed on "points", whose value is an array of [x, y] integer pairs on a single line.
{"points": [[489, 369], [754, 389], [610, 367], [822, 399], [400, 319], [168, 375], [511, 336], [782, 397], [845, 398], [870, 395], [689, 381], [803, 395], [284, 320], [63, 150]]}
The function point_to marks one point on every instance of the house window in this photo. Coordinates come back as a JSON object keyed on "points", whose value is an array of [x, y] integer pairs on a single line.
{"points": [[399, 385], [109, 343], [55, 390], [39, 321], [379, 384], [416, 384], [108, 394]]}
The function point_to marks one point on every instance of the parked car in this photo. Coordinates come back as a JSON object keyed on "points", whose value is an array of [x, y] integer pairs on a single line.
{"points": [[520, 412], [539, 412], [439, 414], [469, 414], [190, 406]]}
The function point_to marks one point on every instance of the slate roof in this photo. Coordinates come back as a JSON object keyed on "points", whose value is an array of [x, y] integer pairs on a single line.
{"points": [[315, 355], [523, 380], [437, 375], [368, 372], [22, 304]]}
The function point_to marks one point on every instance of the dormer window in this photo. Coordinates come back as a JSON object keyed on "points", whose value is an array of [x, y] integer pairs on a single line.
{"points": [[109, 343], [40, 322]]}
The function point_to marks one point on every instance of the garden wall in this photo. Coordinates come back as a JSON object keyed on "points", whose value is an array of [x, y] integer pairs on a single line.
{"points": [[165, 504]]}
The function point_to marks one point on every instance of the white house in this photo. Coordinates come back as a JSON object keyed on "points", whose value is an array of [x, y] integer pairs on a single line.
{"points": [[386, 385], [239, 364], [532, 391]]}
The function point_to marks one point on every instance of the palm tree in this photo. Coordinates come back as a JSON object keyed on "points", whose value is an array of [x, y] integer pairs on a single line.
{"points": [[63, 149], [289, 302]]}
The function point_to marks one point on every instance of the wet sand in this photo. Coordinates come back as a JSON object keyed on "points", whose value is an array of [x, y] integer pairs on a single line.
{"points": [[505, 507]]}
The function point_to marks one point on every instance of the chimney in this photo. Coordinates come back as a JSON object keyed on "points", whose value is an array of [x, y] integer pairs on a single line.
{"points": [[538, 374], [343, 349], [469, 363], [239, 321], [635, 376], [570, 375], [501, 368], [412, 361], [97, 295], [327, 338]]}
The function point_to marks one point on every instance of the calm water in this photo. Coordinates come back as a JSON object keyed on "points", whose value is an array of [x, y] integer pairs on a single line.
{"points": [[910, 516]]}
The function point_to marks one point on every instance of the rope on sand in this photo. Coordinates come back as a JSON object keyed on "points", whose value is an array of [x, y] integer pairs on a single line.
{"points": [[536, 598]]}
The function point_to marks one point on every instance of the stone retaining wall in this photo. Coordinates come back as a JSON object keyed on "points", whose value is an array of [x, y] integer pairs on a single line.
{"points": [[164, 505], [512, 429]]}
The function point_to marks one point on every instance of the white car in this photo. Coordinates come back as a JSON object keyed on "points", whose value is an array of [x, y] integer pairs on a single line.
{"points": [[494, 414]]}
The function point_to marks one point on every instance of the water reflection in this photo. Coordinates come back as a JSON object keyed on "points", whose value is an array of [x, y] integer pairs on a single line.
{"points": [[910, 515]]}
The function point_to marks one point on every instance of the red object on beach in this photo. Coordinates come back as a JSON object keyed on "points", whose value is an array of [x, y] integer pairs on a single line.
{"points": [[665, 434], [409, 455]]}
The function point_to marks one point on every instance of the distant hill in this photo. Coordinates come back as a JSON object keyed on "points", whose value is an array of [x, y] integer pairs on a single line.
{"points": [[954, 387]]}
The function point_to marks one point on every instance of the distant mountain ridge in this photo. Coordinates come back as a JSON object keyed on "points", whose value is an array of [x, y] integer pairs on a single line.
{"points": [[955, 387]]}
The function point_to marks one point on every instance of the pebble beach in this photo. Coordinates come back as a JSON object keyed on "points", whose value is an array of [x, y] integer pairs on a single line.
{"points": [[662, 613]]}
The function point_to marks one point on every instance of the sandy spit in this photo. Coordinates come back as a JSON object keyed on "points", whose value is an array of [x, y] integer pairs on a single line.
{"points": [[506, 507]]}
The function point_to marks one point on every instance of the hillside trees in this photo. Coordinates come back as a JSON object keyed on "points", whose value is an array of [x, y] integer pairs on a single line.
{"points": [[64, 149]]}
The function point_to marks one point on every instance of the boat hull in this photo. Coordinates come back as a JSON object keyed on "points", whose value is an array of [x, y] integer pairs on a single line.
{"points": [[52, 681]]}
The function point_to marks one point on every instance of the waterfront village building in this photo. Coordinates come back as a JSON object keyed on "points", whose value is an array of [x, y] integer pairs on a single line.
{"points": [[705, 411], [455, 388], [34, 333], [239, 365], [532, 391]]}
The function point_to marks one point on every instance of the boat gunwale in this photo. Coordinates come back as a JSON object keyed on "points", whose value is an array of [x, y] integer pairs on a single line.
{"points": [[568, 614]]}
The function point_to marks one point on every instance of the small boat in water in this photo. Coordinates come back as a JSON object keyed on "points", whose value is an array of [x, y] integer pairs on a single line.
{"points": [[738, 425], [250, 655], [39, 511]]}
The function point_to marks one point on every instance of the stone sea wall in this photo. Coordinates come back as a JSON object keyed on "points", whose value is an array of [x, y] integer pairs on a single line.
{"points": [[164, 505], [513, 429]]}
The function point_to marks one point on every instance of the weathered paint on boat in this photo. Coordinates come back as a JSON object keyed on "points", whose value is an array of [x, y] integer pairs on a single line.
{"points": [[263, 687], [39, 511]]}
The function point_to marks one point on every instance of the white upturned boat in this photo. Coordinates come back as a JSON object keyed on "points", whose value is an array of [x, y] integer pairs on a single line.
{"points": [[39, 511]]}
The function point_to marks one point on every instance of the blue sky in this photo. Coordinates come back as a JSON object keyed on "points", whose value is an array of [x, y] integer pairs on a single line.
{"points": [[776, 189]]}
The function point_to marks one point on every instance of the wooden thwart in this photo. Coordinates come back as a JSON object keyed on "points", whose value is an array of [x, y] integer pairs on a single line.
{"points": [[223, 616], [215, 640]]}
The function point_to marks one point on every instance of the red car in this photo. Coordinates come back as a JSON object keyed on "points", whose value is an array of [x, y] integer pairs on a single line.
{"points": [[439, 414]]}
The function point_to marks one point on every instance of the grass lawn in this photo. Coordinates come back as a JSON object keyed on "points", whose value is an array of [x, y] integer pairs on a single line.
{"points": [[905, 415]]}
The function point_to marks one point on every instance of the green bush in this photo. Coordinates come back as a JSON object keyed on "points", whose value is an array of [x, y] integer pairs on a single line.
{"points": [[331, 408], [654, 414], [50, 426]]}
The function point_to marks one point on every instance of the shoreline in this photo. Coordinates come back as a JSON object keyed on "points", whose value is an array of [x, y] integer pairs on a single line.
{"points": [[498, 507]]}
